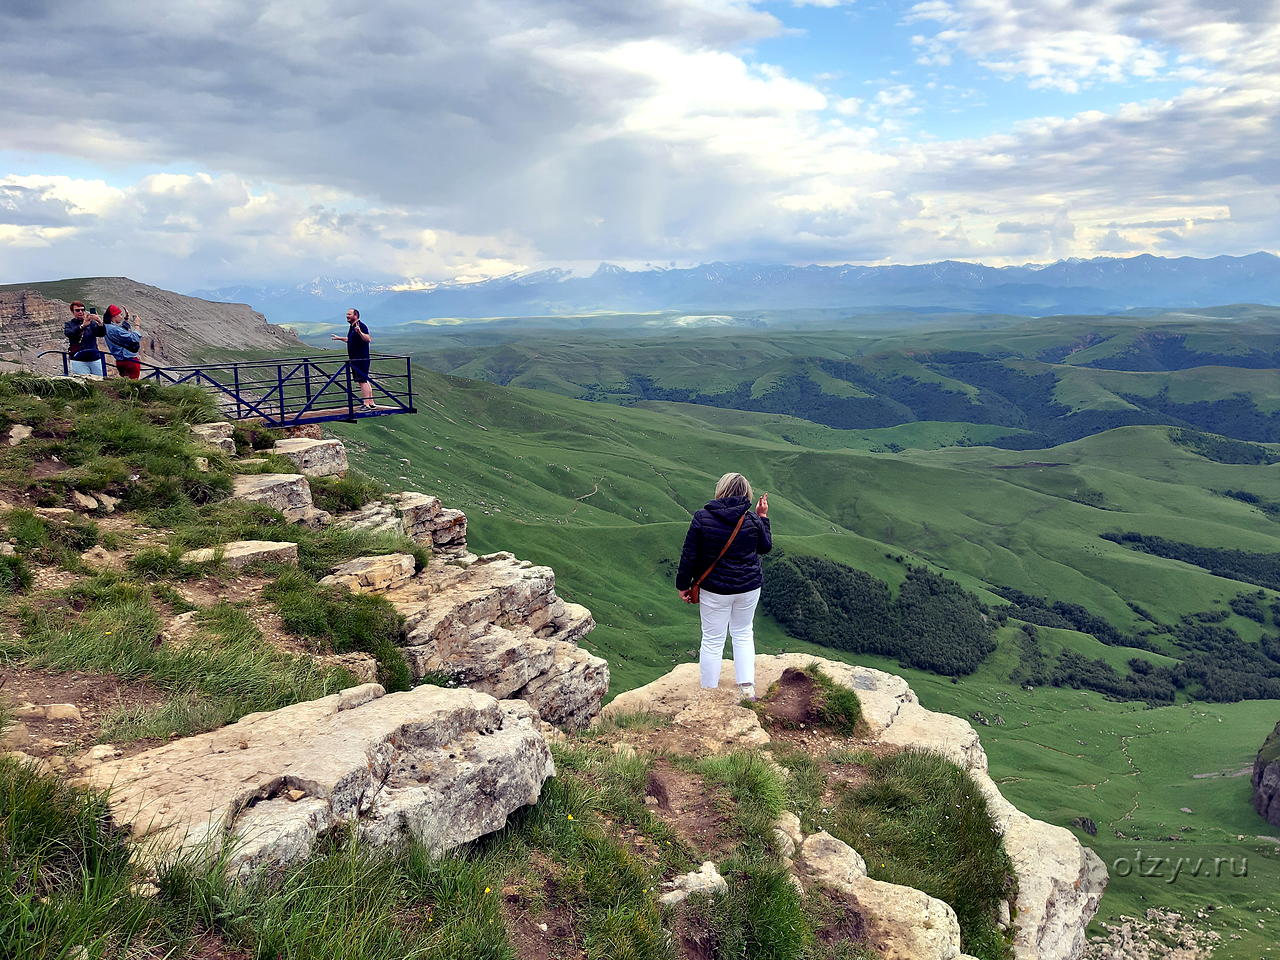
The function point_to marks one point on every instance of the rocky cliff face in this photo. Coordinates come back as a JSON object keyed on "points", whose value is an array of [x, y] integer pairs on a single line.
{"points": [[176, 329], [1266, 779], [1060, 882]]}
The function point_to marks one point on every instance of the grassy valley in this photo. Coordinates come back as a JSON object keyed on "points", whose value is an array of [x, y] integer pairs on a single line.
{"points": [[603, 492]]}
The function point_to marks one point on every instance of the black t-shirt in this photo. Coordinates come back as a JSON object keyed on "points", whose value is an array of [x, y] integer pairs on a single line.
{"points": [[357, 346]]}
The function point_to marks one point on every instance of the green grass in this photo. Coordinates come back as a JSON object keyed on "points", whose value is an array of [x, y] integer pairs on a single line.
{"points": [[342, 621], [835, 704], [922, 822], [345, 493], [110, 624], [956, 510]]}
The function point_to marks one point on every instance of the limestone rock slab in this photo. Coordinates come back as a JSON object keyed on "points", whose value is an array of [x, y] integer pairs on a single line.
{"points": [[241, 553], [419, 516], [495, 623], [314, 458], [444, 766], [287, 492], [372, 574], [216, 435]]}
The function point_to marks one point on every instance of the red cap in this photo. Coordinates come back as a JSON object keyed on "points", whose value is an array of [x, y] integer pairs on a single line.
{"points": [[112, 312]]}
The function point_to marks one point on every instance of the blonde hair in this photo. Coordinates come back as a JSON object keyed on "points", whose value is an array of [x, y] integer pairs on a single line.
{"points": [[733, 485]]}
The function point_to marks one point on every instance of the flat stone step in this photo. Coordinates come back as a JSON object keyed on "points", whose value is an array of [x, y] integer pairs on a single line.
{"points": [[241, 553], [314, 458]]}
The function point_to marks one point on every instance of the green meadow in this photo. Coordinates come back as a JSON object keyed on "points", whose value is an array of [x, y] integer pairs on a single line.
{"points": [[603, 493]]}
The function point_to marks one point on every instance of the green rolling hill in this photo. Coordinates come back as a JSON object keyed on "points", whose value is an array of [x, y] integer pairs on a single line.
{"points": [[603, 494], [1024, 385]]}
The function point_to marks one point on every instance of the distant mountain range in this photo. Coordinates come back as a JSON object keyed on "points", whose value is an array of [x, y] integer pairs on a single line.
{"points": [[1100, 285]]}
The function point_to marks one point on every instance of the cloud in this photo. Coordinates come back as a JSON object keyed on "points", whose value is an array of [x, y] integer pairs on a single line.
{"points": [[190, 227], [1072, 45], [430, 141]]}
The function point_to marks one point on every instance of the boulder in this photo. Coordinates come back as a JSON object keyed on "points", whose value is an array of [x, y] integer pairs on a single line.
{"points": [[216, 435], [444, 766], [706, 880], [372, 574], [83, 501], [241, 553], [17, 433], [1266, 779], [314, 458], [419, 516], [830, 861], [287, 492]]}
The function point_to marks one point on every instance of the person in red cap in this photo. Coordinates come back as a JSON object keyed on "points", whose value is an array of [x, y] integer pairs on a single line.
{"points": [[123, 341]]}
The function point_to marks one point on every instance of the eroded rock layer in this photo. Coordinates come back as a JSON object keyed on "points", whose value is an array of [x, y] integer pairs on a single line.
{"points": [[444, 766]]}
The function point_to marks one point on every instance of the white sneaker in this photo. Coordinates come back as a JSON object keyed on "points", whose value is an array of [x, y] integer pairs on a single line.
{"points": [[748, 691]]}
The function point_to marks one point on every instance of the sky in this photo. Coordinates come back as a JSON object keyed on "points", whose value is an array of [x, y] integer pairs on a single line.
{"points": [[221, 142]]}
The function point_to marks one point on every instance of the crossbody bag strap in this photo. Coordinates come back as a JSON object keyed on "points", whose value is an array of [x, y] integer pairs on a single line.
{"points": [[728, 543]]}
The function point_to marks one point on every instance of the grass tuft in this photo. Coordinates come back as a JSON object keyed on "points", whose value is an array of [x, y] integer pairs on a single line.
{"points": [[921, 821], [343, 621]]}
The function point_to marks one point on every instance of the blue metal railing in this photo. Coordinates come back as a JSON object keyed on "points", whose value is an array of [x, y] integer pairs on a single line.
{"points": [[286, 393]]}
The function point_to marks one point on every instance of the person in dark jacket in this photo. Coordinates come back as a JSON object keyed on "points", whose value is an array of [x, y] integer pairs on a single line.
{"points": [[82, 332], [729, 594]]}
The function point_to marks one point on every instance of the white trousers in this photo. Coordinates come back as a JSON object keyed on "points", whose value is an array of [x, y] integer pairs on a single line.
{"points": [[732, 613]]}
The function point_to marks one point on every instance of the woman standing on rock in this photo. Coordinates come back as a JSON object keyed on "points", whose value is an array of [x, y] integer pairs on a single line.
{"points": [[720, 571]]}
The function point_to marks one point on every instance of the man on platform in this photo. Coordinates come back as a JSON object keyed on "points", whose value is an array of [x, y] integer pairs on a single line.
{"points": [[358, 340]]}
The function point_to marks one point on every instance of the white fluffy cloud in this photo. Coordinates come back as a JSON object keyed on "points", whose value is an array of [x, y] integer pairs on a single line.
{"points": [[437, 140]]}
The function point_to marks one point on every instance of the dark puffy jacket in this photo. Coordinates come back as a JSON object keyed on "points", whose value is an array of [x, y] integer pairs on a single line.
{"points": [[739, 570], [82, 343]]}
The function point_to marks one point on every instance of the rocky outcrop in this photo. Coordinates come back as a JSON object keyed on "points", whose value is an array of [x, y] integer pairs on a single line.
{"points": [[419, 516], [901, 923], [314, 458], [174, 328], [491, 623], [241, 553], [217, 435], [1060, 882], [444, 766], [372, 574], [287, 492], [1266, 779]]}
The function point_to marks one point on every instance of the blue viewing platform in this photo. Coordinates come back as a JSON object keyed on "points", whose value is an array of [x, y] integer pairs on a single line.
{"points": [[294, 391]]}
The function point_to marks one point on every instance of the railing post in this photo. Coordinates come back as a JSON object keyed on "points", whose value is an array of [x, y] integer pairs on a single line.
{"points": [[280, 386], [351, 405], [306, 379], [408, 369], [236, 373]]}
